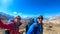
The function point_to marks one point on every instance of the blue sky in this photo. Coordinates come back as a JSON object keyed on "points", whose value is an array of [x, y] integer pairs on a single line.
{"points": [[47, 8]]}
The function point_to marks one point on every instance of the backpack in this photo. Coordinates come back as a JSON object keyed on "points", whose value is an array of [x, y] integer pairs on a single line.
{"points": [[27, 27], [35, 28], [7, 32]]}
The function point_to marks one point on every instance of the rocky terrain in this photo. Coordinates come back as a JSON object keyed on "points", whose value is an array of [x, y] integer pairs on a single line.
{"points": [[52, 25]]}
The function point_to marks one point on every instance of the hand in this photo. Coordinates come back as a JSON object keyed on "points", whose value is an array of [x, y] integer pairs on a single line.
{"points": [[21, 30]]}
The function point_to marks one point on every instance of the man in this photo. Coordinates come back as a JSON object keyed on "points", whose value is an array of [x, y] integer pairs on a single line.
{"points": [[37, 27], [13, 28]]}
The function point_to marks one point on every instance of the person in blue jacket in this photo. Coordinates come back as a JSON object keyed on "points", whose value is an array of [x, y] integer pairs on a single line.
{"points": [[37, 26]]}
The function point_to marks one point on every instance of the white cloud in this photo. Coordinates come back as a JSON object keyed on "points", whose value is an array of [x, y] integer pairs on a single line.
{"points": [[24, 16], [14, 13]]}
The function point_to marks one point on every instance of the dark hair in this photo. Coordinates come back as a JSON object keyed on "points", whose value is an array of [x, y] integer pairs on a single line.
{"points": [[40, 16], [18, 17]]}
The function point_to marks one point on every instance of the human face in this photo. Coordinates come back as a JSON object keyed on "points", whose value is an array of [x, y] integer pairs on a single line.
{"points": [[39, 20], [18, 19], [15, 20]]}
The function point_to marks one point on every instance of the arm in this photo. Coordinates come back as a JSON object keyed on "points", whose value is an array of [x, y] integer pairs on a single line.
{"points": [[3, 26], [31, 29]]}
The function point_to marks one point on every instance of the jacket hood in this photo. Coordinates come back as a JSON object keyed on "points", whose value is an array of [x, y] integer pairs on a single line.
{"points": [[35, 20]]}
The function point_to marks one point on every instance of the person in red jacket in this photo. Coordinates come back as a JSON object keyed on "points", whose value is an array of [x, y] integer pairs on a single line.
{"points": [[13, 27]]}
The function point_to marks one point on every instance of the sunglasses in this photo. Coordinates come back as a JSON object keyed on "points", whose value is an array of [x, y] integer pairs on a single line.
{"points": [[19, 18]]}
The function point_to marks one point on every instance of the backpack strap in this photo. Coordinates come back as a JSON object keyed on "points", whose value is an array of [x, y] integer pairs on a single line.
{"points": [[35, 24], [35, 28]]}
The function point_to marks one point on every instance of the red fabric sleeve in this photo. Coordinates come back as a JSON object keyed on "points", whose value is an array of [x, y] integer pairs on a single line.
{"points": [[5, 26]]}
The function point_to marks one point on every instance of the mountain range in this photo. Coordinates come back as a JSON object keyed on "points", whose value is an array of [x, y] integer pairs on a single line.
{"points": [[54, 19], [5, 16]]}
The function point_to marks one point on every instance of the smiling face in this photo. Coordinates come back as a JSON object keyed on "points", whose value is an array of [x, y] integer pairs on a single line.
{"points": [[16, 20], [39, 20]]}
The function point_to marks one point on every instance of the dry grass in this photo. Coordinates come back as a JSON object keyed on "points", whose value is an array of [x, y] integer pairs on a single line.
{"points": [[53, 30]]}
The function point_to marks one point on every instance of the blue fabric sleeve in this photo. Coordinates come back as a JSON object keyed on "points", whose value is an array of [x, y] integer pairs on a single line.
{"points": [[31, 29]]}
